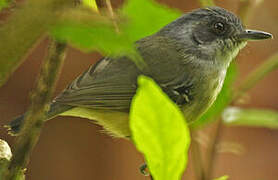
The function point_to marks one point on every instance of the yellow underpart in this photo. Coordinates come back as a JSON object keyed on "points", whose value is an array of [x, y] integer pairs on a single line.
{"points": [[116, 123]]}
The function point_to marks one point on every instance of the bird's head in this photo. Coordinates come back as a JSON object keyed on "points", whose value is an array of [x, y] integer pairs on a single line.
{"points": [[211, 33]]}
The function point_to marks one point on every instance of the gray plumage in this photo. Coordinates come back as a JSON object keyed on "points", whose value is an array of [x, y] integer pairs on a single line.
{"points": [[188, 59]]}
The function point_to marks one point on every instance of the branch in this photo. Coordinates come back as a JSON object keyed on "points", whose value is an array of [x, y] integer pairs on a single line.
{"points": [[34, 119], [256, 75]]}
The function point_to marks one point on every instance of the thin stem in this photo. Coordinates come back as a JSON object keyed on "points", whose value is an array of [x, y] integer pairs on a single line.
{"points": [[197, 159], [34, 119], [212, 149], [111, 14], [256, 75]]}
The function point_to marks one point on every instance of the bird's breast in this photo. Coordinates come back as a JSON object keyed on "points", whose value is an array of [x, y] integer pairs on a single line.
{"points": [[206, 90]]}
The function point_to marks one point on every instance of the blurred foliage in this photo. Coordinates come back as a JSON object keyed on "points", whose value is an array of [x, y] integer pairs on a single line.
{"points": [[3, 4], [222, 178], [162, 136], [131, 28], [250, 117], [22, 29]]}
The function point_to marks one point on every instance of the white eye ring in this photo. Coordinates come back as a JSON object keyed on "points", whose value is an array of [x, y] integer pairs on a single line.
{"points": [[219, 27]]}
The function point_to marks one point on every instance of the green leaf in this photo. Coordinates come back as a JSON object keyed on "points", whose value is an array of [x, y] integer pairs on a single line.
{"points": [[222, 100], [235, 116], [159, 131], [23, 29], [106, 39], [153, 16], [91, 4], [222, 178]]}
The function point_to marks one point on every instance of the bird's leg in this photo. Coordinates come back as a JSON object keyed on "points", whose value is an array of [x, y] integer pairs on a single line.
{"points": [[143, 170]]}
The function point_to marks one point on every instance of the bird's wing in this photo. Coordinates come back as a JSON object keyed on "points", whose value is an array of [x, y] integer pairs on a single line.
{"points": [[105, 85], [111, 83]]}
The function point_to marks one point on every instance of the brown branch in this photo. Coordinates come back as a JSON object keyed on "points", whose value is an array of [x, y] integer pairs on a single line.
{"points": [[34, 119]]}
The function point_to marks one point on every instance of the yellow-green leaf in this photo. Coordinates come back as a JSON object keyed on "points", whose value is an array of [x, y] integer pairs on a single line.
{"points": [[222, 178], [159, 131], [91, 4]]}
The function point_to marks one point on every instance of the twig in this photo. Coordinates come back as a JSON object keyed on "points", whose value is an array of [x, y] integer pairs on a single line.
{"points": [[111, 14], [256, 75], [212, 149], [197, 158], [40, 98]]}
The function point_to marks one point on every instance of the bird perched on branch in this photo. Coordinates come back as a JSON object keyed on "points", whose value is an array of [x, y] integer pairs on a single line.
{"points": [[187, 58]]}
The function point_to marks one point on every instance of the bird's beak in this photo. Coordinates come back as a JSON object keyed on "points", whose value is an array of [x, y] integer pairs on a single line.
{"points": [[254, 35]]}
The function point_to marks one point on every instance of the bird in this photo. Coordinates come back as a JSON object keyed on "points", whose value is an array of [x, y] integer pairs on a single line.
{"points": [[188, 58]]}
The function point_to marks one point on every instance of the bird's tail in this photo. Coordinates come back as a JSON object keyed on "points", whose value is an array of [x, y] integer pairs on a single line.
{"points": [[55, 109]]}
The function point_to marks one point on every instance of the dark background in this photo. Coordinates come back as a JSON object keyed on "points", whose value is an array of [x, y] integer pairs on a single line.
{"points": [[73, 148]]}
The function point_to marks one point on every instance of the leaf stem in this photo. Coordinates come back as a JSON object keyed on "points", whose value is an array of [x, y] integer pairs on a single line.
{"points": [[112, 15], [34, 119], [197, 158], [212, 149]]}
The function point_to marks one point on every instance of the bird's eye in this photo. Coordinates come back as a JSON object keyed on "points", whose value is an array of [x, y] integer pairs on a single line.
{"points": [[219, 27]]}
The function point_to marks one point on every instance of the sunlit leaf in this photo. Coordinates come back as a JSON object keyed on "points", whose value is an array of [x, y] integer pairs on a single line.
{"points": [[222, 178], [222, 100], [159, 131], [91, 4], [131, 28], [235, 116], [153, 16]]}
